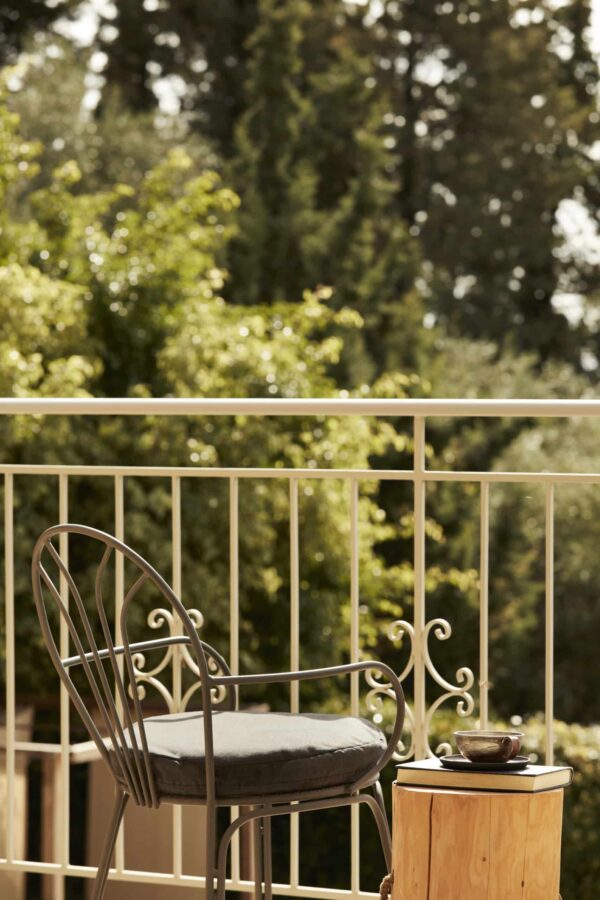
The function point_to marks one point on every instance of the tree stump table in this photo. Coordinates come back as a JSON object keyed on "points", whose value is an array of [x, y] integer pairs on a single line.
{"points": [[475, 845]]}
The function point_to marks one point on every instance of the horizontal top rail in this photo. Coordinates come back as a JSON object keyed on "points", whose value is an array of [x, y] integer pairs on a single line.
{"points": [[316, 474], [171, 406]]}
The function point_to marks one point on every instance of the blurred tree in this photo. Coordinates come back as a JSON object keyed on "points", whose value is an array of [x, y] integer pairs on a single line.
{"points": [[132, 39], [277, 182], [135, 258], [19, 21], [517, 567], [311, 169], [580, 65], [488, 114], [488, 111], [118, 291], [202, 43], [36, 357], [51, 93], [520, 513]]}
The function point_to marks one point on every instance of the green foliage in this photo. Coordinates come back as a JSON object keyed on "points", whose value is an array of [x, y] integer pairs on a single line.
{"points": [[278, 183], [37, 357], [50, 91], [312, 171], [118, 291], [44, 318], [340, 123], [490, 128], [138, 254], [577, 746], [487, 116], [554, 446], [517, 529], [410, 156]]}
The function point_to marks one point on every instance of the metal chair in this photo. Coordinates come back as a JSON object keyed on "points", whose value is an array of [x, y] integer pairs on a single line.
{"points": [[274, 763]]}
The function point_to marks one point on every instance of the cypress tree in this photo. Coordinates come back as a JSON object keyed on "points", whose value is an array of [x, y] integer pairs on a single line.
{"points": [[275, 179], [129, 40], [312, 170]]}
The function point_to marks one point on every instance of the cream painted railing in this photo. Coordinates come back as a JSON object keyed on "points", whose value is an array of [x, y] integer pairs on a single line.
{"points": [[420, 663]]}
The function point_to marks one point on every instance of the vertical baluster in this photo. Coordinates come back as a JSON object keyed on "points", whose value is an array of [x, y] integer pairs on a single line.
{"points": [[354, 685], [177, 669], [65, 737], [119, 597], [9, 612], [294, 659], [484, 580], [234, 577], [549, 630], [234, 633], [419, 587]]}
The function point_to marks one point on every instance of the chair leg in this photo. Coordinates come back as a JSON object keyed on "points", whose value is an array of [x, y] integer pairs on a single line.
{"points": [[222, 868], [262, 857], [261, 833], [383, 827], [220, 891], [267, 857], [222, 851], [109, 843], [258, 857], [211, 841]]}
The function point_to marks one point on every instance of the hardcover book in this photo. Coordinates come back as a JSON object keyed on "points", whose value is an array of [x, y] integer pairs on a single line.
{"points": [[431, 773]]}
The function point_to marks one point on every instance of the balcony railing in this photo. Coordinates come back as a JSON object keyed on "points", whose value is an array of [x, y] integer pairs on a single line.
{"points": [[470, 689]]}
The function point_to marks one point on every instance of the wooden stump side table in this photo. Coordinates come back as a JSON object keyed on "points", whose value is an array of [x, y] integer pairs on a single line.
{"points": [[475, 845]]}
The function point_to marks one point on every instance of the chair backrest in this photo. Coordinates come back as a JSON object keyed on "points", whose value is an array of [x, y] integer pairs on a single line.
{"points": [[112, 684]]}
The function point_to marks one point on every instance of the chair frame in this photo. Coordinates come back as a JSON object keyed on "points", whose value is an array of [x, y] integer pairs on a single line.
{"points": [[129, 758]]}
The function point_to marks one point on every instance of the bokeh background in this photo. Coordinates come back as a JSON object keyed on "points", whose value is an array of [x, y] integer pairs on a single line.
{"points": [[283, 198]]}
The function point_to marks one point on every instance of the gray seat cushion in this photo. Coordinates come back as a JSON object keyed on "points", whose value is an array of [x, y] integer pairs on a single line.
{"points": [[259, 753]]}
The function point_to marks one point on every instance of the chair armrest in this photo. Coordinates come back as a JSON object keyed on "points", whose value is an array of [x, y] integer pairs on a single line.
{"points": [[145, 646], [305, 674], [154, 644], [363, 666]]}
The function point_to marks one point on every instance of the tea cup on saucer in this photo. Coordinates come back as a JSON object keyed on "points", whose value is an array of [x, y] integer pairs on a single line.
{"points": [[489, 746]]}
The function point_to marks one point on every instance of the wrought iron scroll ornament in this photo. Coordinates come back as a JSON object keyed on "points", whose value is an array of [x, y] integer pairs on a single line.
{"points": [[465, 679], [402, 630], [398, 631], [381, 689], [175, 655]]}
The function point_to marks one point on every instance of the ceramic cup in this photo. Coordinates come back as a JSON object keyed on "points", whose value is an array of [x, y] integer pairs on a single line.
{"points": [[489, 746]]}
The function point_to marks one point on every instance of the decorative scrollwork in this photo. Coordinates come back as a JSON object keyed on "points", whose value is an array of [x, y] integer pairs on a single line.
{"points": [[175, 655], [380, 689], [187, 658], [461, 690], [143, 678], [157, 618], [406, 750], [465, 679], [396, 632], [218, 693]]}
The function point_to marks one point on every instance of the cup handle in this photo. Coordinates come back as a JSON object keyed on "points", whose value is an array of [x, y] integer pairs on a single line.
{"points": [[511, 745]]}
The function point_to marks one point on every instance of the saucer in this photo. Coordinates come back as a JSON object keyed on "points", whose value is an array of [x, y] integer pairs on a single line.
{"points": [[458, 762]]}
